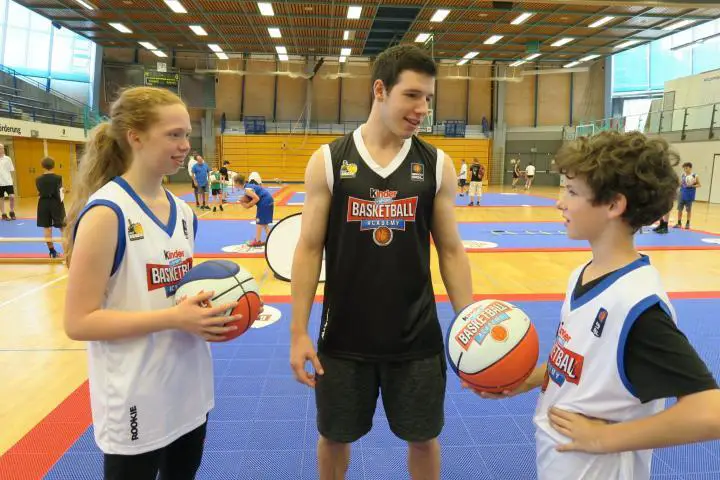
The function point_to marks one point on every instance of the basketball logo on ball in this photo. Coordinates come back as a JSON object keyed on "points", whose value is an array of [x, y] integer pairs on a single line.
{"points": [[492, 345], [383, 236]]}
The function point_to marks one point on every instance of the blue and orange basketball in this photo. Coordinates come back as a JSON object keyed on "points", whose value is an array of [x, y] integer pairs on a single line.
{"points": [[492, 345], [231, 283]]}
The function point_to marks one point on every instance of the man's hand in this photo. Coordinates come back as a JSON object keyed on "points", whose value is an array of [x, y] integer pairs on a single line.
{"points": [[301, 351]]}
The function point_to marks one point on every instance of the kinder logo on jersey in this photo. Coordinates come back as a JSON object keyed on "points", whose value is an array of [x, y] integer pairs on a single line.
{"points": [[383, 214], [483, 323], [564, 365], [168, 276]]}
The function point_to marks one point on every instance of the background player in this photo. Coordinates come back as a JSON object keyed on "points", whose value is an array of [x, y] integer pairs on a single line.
{"points": [[201, 176], [190, 165], [462, 178], [150, 370], [256, 194], [618, 352], [50, 207], [216, 188], [516, 172], [7, 185], [379, 330], [477, 172], [529, 175], [689, 183]]}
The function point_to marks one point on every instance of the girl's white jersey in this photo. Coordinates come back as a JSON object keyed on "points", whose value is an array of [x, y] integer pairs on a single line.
{"points": [[586, 374], [147, 391]]}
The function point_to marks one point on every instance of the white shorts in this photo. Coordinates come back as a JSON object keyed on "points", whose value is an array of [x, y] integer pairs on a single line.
{"points": [[475, 188]]}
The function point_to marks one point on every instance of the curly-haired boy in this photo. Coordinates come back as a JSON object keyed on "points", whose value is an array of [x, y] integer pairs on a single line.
{"points": [[618, 353]]}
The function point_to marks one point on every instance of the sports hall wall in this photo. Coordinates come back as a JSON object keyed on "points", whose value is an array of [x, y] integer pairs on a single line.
{"points": [[28, 142], [340, 93], [530, 100]]}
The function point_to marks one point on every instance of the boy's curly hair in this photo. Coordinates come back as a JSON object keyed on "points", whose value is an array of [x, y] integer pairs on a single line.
{"points": [[629, 164]]}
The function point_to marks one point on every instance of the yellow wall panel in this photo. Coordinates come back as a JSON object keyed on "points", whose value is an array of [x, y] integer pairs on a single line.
{"points": [[285, 156]]}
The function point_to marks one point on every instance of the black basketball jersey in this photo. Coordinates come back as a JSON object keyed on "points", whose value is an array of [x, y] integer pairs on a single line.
{"points": [[379, 302], [476, 173]]}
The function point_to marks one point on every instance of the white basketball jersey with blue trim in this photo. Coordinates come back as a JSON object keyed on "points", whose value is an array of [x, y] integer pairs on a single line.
{"points": [[586, 373], [149, 390]]}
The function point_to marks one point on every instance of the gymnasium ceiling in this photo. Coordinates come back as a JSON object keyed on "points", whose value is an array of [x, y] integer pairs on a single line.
{"points": [[322, 28]]}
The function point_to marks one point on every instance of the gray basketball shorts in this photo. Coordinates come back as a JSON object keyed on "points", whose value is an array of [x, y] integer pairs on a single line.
{"points": [[413, 396]]}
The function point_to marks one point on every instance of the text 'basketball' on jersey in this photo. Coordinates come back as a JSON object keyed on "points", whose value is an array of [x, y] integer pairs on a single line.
{"points": [[168, 275], [382, 214]]}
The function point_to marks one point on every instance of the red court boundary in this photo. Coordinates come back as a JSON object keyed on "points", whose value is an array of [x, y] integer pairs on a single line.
{"points": [[34, 455]]}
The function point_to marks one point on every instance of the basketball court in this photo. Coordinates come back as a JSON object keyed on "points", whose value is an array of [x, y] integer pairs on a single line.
{"points": [[263, 424]]}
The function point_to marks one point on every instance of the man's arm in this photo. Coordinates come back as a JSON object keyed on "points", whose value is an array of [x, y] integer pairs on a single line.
{"points": [[454, 263], [307, 263]]}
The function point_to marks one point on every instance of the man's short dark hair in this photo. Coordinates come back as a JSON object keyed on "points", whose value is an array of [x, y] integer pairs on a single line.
{"points": [[392, 62], [687, 164]]}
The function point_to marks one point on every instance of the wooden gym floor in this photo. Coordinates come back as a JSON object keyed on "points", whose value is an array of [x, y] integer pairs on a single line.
{"points": [[40, 367]]}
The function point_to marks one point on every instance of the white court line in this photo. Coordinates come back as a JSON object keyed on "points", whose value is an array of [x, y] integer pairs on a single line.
{"points": [[295, 203], [30, 292]]}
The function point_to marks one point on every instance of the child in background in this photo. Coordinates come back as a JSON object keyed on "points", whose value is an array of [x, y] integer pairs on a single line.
{"points": [[689, 183], [225, 177], [50, 207], [256, 194], [216, 188]]}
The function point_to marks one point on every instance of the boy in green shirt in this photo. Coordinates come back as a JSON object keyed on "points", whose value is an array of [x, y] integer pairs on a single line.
{"points": [[216, 188]]}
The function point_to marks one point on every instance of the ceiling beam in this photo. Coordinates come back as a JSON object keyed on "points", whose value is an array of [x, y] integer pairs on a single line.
{"points": [[471, 9]]}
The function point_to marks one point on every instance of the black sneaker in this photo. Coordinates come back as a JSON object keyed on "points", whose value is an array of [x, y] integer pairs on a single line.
{"points": [[12, 215], [5, 217]]}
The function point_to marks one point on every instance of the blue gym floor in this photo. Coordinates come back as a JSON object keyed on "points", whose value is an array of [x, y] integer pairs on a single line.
{"points": [[219, 238], [263, 425], [487, 200]]}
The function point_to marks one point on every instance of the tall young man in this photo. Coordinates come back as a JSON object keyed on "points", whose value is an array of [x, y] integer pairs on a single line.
{"points": [[373, 198]]}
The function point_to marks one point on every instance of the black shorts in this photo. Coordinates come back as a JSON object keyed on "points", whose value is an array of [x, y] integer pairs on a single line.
{"points": [[9, 189], [462, 182], [178, 461], [413, 395], [216, 191], [50, 213]]}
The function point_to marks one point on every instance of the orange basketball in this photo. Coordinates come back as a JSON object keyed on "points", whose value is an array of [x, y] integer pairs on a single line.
{"points": [[493, 346], [249, 307], [382, 236]]}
